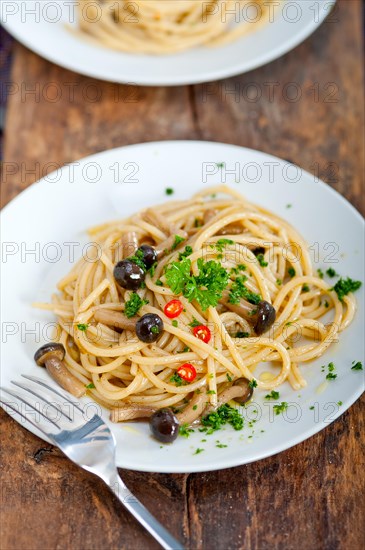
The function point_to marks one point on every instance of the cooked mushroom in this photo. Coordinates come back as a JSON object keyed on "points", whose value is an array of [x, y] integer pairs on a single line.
{"points": [[51, 356], [131, 412], [230, 229], [115, 319], [154, 218], [167, 245], [262, 315], [193, 409], [240, 391], [148, 327]]}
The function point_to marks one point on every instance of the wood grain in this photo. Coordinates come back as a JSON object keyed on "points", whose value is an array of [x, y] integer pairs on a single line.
{"points": [[308, 497]]}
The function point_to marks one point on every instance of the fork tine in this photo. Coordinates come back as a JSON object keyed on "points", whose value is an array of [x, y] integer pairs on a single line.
{"points": [[41, 382], [30, 403], [40, 396]]}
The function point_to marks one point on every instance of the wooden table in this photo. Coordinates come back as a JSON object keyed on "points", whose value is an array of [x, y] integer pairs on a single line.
{"points": [[310, 111]]}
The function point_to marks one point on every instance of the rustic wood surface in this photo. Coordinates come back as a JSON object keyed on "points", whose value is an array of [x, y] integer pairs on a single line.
{"points": [[309, 497]]}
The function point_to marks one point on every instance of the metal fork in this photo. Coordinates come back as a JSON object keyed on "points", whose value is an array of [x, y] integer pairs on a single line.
{"points": [[90, 444]]}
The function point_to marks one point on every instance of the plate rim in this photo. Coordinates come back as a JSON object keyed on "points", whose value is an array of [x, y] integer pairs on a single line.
{"points": [[229, 462], [241, 68]]}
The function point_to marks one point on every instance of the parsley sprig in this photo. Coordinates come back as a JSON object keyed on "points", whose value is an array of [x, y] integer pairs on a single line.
{"points": [[133, 305], [206, 288], [344, 286]]}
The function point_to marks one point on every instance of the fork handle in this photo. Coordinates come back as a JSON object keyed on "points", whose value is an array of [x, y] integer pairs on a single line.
{"points": [[142, 515]]}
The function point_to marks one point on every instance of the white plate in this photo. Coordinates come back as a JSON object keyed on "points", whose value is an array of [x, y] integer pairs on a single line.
{"points": [[57, 210], [41, 27]]}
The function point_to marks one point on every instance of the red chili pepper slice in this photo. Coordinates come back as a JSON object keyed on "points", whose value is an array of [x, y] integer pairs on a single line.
{"points": [[173, 309], [202, 332], [187, 372]]}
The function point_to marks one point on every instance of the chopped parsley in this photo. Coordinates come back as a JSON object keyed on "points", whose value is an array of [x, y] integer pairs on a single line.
{"points": [[188, 250], [169, 191], [133, 305], [159, 282], [289, 205], [177, 380], [344, 286], [225, 414], [229, 377], [221, 243], [221, 445], [279, 282], [320, 273], [240, 267], [194, 323], [195, 407], [198, 451], [178, 240], [326, 304], [155, 330], [339, 403], [198, 223], [280, 408], [261, 260], [331, 374], [210, 392], [90, 386], [206, 287], [331, 272], [273, 395], [185, 431], [305, 288], [175, 323], [241, 334], [356, 366], [137, 259], [291, 272], [239, 290], [252, 383], [220, 164], [311, 408], [83, 326]]}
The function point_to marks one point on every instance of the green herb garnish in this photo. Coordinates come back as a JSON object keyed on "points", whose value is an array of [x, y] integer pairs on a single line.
{"points": [[177, 380], [291, 272], [241, 334], [175, 323], [252, 384], [185, 431], [273, 395], [280, 408], [83, 326], [225, 414], [178, 240], [261, 260], [305, 288], [133, 305], [331, 272], [169, 191], [222, 243], [206, 287], [356, 366], [188, 250], [90, 386], [344, 286], [239, 290], [320, 273], [198, 451]]}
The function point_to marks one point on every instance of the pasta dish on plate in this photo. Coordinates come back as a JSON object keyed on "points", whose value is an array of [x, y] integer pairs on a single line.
{"points": [[168, 26], [172, 314]]}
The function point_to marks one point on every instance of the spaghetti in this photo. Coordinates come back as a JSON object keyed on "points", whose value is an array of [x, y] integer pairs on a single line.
{"points": [[168, 26], [247, 255]]}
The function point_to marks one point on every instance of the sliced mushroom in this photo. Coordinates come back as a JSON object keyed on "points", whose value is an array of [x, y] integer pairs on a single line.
{"points": [[166, 246], [193, 409], [115, 319], [240, 391], [51, 356], [129, 244], [148, 328], [230, 229], [154, 218], [262, 315], [131, 412]]}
